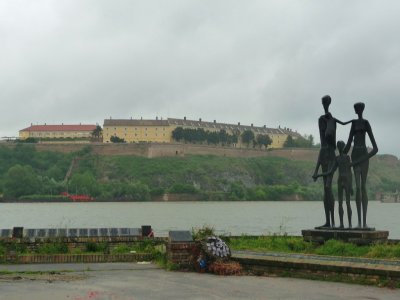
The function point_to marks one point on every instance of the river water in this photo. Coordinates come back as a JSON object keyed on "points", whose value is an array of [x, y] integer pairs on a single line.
{"points": [[235, 218]]}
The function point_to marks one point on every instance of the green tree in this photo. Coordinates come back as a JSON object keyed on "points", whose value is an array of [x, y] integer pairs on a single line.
{"points": [[237, 191], [116, 139], [84, 184], [138, 191], [223, 137], [289, 142], [55, 172], [97, 133], [247, 137], [263, 140], [24, 154], [177, 134], [213, 138], [311, 140], [300, 142], [20, 181], [233, 139]]}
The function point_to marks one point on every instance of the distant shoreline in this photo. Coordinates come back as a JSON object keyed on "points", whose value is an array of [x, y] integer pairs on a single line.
{"points": [[152, 201]]}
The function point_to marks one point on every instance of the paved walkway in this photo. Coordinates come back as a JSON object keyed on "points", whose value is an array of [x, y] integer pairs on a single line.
{"points": [[128, 281]]}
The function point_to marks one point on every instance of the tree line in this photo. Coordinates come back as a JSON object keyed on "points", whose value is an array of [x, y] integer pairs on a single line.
{"points": [[221, 137], [24, 171], [302, 142]]}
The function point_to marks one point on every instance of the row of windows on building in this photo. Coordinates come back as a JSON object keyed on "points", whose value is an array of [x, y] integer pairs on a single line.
{"points": [[135, 134], [42, 134], [115, 128]]}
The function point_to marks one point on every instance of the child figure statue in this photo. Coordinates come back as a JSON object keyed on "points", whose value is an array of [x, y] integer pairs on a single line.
{"points": [[343, 162]]}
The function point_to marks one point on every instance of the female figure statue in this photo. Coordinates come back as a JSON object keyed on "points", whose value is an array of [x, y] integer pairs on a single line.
{"points": [[360, 159]]}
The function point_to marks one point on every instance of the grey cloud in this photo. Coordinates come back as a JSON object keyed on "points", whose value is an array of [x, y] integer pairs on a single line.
{"points": [[261, 62]]}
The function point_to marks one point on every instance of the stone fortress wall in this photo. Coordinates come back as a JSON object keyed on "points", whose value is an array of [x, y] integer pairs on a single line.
{"points": [[151, 150]]}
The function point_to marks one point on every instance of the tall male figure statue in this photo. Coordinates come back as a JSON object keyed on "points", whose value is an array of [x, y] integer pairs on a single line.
{"points": [[326, 158]]}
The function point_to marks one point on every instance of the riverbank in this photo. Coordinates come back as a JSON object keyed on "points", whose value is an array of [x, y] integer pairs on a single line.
{"points": [[27, 172], [155, 198]]}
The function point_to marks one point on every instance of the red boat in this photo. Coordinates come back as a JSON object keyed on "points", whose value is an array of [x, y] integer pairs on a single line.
{"points": [[78, 198]]}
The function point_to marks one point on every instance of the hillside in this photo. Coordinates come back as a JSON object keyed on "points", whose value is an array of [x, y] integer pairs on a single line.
{"points": [[26, 171]]}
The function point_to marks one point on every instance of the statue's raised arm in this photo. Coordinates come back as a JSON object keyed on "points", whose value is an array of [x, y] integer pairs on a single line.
{"points": [[342, 123]]}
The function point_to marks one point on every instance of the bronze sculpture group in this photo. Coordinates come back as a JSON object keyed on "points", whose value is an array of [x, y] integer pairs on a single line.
{"points": [[359, 161]]}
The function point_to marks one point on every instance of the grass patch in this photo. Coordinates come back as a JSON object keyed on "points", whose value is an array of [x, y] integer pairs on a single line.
{"points": [[384, 251], [270, 243], [92, 247], [290, 244], [339, 248], [52, 248]]}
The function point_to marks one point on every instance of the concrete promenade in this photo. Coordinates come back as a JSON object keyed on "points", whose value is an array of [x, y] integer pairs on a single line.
{"points": [[125, 281]]}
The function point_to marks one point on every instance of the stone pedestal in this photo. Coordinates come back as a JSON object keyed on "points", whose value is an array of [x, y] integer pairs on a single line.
{"points": [[180, 247], [359, 237], [180, 252]]}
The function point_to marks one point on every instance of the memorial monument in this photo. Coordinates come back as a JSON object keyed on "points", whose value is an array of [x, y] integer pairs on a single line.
{"points": [[329, 163]]}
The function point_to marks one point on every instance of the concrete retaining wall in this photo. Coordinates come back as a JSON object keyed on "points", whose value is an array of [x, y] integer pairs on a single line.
{"points": [[298, 267]]}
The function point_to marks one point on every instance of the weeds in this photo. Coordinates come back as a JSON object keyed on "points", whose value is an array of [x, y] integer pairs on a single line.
{"points": [[96, 247], [270, 243], [203, 232], [339, 248], [290, 244], [52, 248]]}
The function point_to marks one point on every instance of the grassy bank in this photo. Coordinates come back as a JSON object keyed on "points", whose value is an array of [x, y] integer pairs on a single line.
{"points": [[25, 172], [289, 244]]}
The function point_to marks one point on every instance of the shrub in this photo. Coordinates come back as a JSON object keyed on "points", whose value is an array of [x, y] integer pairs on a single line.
{"points": [[138, 191], [237, 191], [2, 250], [19, 248], [182, 188], [96, 247], [52, 248], [203, 232], [121, 249]]}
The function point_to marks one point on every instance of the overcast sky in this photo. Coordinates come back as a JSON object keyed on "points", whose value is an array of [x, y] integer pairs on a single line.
{"points": [[261, 62]]}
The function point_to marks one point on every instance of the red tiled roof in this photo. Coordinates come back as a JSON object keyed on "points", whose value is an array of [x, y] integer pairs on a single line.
{"points": [[60, 128]]}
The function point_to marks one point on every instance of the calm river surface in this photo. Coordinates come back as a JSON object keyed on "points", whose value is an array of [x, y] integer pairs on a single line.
{"points": [[234, 218]]}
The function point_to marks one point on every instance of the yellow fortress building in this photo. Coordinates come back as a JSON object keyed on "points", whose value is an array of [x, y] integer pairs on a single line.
{"points": [[160, 131]]}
